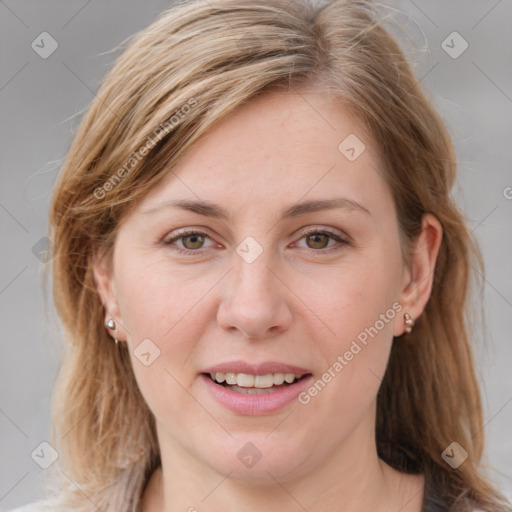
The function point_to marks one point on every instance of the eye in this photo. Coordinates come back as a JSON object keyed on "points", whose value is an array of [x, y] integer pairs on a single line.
{"points": [[193, 241], [190, 240], [318, 239]]}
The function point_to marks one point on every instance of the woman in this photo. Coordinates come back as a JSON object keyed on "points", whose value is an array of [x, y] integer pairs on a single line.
{"points": [[263, 277]]}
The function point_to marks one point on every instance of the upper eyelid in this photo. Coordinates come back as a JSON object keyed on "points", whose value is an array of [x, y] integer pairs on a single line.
{"points": [[187, 232]]}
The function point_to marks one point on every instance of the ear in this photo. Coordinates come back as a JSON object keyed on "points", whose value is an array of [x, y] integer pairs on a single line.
{"points": [[104, 278], [419, 276]]}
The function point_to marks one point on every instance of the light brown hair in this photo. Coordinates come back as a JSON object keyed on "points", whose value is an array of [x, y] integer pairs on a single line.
{"points": [[213, 57]]}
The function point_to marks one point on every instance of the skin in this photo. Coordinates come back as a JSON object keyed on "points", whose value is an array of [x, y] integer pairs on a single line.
{"points": [[302, 301]]}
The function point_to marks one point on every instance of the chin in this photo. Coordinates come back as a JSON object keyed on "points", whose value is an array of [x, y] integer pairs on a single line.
{"points": [[260, 461]]}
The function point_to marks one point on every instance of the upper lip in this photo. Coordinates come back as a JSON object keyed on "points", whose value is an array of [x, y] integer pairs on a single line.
{"points": [[262, 368]]}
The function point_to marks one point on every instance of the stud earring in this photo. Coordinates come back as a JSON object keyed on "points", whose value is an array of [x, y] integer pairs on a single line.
{"points": [[112, 326], [409, 323]]}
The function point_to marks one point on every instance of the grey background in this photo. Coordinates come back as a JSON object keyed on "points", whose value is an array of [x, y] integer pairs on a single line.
{"points": [[39, 100]]}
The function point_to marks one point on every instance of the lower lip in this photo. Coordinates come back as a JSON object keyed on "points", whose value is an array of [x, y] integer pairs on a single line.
{"points": [[267, 403]]}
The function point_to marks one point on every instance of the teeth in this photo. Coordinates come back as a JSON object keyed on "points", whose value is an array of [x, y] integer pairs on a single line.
{"points": [[278, 378], [245, 380], [231, 378], [264, 381]]}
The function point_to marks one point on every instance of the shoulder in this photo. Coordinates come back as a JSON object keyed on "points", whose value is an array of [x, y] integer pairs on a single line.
{"points": [[38, 506]]}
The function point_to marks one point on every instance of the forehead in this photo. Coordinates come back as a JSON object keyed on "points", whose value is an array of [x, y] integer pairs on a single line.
{"points": [[280, 145]]}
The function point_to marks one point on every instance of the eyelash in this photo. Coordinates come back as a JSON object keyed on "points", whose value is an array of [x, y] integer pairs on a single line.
{"points": [[306, 233]]}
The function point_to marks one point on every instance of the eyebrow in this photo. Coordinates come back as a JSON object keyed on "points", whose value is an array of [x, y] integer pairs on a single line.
{"points": [[209, 209]]}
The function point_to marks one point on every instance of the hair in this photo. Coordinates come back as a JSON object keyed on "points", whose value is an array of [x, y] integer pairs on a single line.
{"points": [[173, 83]]}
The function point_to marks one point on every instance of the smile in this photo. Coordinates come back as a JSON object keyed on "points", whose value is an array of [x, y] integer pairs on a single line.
{"points": [[254, 384], [252, 394]]}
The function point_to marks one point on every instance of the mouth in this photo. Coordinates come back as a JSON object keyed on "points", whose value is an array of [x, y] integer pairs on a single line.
{"points": [[251, 384], [249, 388]]}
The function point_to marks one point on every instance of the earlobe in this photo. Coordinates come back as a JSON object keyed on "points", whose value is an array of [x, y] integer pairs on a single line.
{"points": [[417, 290], [103, 278]]}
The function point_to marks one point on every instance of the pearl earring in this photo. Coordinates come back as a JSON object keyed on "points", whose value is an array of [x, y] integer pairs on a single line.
{"points": [[112, 326], [409, 323]]}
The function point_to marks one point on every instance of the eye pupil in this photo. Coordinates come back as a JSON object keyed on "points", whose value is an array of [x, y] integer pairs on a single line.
{"points": [[319, 240], [196, 241]]}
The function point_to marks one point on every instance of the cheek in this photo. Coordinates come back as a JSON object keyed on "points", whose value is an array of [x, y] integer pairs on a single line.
{"points": [[359, 306], [165, 312], [158, 301], [353, 298]]}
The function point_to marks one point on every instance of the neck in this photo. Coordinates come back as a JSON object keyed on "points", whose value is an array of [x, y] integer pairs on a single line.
{"points": [[352, 479]]}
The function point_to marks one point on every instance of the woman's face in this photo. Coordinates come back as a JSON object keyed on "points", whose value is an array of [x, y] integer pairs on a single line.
{"points": [[272, 248]]}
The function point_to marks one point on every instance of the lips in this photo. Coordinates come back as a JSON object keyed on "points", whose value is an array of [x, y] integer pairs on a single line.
{"points": [[250, 389]]}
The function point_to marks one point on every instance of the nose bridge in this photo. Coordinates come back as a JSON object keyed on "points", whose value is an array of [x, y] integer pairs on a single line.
{"points": [[252, 261], [255, 302], [254, 279]]}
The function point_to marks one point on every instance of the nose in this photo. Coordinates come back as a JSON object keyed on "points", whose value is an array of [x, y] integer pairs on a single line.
{"points": [[255, 302]]}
